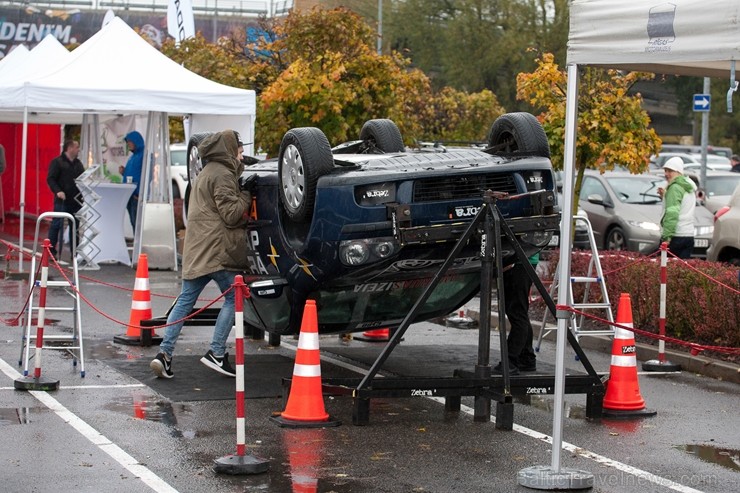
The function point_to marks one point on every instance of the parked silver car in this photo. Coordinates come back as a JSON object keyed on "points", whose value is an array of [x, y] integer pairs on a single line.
{"points": [[726, 240], [718, 189], [625, 211]]}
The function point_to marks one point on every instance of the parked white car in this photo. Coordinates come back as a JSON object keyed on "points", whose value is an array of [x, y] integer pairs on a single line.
{"points": [[726, 239], [179, 170]]}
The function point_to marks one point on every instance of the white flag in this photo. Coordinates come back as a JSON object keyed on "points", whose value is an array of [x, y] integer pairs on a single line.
{"points": [[180, 21]]}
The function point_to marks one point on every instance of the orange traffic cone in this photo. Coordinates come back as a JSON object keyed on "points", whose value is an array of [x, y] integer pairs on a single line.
{"points": [[623, 399], [141, 308], [305, 406], [377, 335]]}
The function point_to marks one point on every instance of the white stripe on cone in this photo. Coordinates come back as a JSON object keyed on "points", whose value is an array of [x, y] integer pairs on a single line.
{"points": [[308, 340], [141, 305], [141, 284], [624, 361], [306, 370]]}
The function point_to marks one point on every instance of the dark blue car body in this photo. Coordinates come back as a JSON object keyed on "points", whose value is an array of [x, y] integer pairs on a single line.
{"points": [[408, 208]]}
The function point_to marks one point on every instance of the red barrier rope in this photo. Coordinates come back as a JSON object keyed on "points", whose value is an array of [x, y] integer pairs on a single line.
{"points": [[695, 348], [74, 288], [691, 267]]}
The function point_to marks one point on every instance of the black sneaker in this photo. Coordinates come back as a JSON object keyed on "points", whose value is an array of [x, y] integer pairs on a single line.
{"points": [[162, 366], [221, 365], [498, 369], [528, 368]]}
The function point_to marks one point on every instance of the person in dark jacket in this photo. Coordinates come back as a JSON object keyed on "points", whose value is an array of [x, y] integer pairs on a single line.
{"points": [[735, 161], [132, 171], [63, 171], [215, 248]]}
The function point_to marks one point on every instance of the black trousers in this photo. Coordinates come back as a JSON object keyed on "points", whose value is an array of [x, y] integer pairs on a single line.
{"points": [[681, 246], [516, 296], [56, 228]]}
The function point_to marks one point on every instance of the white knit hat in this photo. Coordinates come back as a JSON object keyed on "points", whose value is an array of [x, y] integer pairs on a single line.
{"points": [[675, 163]]}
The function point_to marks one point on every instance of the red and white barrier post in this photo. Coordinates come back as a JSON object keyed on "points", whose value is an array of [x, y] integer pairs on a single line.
{"points": [[241, 462], [37, 382], [661, 364]]}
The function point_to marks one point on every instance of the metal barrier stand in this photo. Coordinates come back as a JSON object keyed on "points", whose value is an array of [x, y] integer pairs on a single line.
{"points": [[479, 383]]}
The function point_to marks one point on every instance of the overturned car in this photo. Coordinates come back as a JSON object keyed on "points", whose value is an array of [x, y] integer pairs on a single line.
{"points": [[362, 228]]}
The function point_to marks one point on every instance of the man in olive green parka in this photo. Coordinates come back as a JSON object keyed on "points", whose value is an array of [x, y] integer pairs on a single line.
{"points": [[215, 248]]}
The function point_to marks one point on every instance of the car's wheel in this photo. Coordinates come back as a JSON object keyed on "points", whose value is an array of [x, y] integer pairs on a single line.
{"points": [[185, 206], [195, 165], [616, 239], [382, 134], [305, 156], [518, 133]]}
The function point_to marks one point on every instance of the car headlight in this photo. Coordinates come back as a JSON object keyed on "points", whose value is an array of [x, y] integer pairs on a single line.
{"points": [[537, 238], [703, 230], [647, 225], [356, 253], [366, 251]]}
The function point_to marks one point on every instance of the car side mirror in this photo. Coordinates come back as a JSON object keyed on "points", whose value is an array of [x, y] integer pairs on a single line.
{"points": [[599, 200]]}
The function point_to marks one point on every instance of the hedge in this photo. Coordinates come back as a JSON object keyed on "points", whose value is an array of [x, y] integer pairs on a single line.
{"points": [[698, 308]]}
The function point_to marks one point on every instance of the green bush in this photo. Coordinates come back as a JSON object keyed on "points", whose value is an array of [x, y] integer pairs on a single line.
{"points": [[698, 308]]}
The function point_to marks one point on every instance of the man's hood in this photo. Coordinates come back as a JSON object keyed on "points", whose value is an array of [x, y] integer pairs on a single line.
{"points": [[221, 147], [135, 138]]}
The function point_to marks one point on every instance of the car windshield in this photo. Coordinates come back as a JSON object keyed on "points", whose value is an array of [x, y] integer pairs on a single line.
{"points": [[722, 185], [177, 157], [637, 189]]}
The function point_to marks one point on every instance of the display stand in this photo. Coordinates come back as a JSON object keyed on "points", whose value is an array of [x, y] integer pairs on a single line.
{"points": [[101, 220]]}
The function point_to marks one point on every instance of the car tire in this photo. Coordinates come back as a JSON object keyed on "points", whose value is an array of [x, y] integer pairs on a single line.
{"points": [[195, 165], [382, 134], [185, 206], [515, 133], [175, 191], [616, 239], [305, 156]]}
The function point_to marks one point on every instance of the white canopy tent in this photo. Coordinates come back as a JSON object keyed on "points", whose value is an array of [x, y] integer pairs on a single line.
{"points": [[683, 37], [116, 72], [45, 57], [8, 61]]}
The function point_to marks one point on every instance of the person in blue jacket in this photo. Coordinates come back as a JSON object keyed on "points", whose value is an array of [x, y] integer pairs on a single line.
{"points": [[135, 143]]}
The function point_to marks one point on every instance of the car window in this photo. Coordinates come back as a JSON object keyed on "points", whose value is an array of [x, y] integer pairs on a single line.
{"points": [[592, 186], [637, 189], [722, 185], [177, 158]]}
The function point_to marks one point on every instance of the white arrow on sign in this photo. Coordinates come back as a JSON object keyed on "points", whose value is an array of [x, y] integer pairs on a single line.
{"points": [[702, 102]]}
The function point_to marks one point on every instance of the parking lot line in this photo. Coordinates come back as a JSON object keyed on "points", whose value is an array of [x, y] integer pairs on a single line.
{"points": [[93, 436]]}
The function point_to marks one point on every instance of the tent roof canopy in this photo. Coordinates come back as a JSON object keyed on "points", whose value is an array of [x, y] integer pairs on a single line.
{"points": [[681, 37], [118, 72]]}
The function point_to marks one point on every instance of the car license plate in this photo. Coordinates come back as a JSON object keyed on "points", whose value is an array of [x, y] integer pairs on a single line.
{"points": [[463, 211], [554, 241], [701, 243]]}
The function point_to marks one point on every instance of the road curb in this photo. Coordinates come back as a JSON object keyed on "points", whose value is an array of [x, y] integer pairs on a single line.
{"points": [[709, 367]]}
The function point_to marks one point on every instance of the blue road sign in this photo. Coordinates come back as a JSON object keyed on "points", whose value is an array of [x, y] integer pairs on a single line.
{"points": [[702, 102]]}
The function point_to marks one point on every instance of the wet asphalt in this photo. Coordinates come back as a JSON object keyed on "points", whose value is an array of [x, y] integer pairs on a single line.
{"points": [[110, 432]]}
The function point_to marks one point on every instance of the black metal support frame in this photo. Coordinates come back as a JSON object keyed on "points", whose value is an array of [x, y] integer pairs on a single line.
{"points": [[480, 383]]}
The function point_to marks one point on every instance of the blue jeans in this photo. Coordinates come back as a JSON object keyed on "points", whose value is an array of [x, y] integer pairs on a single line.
{"points": [[191, 289]]}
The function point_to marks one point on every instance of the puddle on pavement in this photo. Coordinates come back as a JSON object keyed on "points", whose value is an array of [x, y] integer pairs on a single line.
{"points": [[107, 351], [18, 415], [157, 411], [724, 457], [573, 411]]}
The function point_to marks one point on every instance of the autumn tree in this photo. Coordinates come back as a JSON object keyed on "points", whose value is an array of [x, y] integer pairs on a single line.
{"points": [[334, 79], [613, 129]]}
